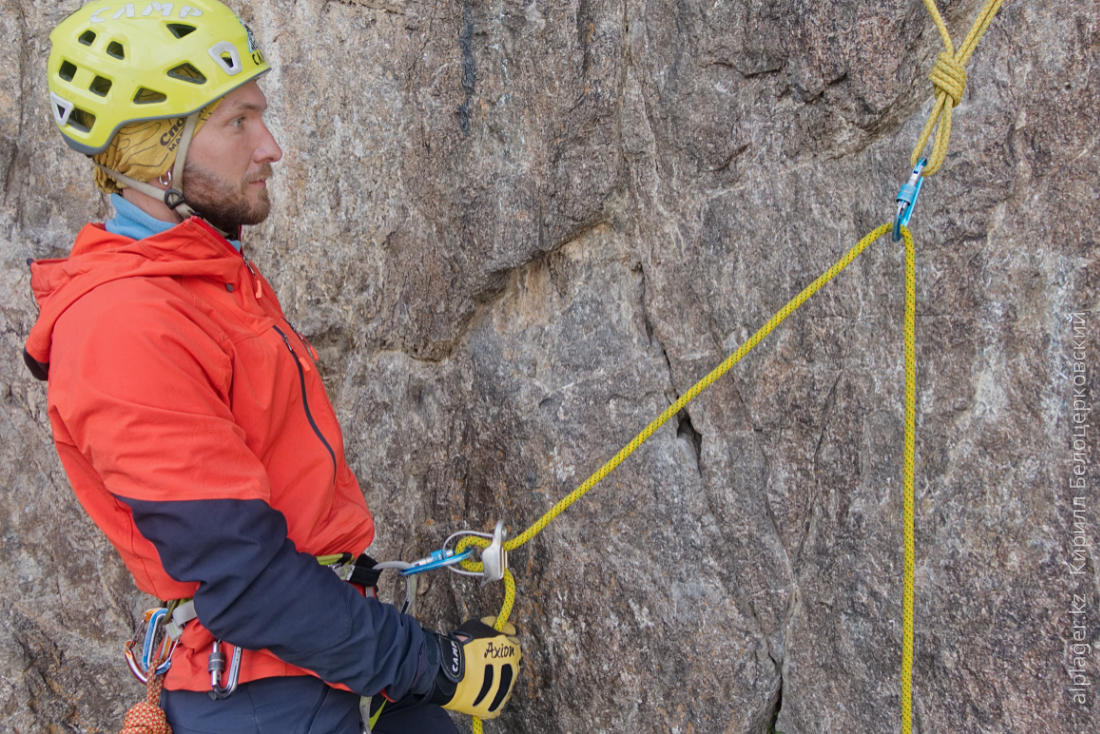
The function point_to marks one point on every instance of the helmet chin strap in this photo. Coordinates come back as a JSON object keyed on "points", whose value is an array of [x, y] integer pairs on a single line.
{"points": [[172, 196]]}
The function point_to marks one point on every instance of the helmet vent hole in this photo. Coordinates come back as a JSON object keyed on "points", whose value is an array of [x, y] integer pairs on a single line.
{"points": [[100, 86], [87, 37], [148, 96], [82, 120], [114, 48], [67, 71], [187, 73], [226, 56], [179, 30]]}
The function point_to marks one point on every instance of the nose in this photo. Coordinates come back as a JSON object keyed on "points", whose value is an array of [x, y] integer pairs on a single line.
{"points": [[267, 149]]}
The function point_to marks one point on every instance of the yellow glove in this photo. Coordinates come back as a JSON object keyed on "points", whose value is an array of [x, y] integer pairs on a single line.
{"points": [[477, 668]]}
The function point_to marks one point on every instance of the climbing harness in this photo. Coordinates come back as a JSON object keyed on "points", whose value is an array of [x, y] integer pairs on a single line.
{"points": [[157, 637], [361, 570], [149, 653]]}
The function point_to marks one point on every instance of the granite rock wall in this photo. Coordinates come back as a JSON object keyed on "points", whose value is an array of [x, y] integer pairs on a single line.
{"points": [[516, 231]]}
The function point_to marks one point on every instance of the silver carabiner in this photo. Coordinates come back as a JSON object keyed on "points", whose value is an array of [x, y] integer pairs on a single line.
{"points": [[216, 666]]}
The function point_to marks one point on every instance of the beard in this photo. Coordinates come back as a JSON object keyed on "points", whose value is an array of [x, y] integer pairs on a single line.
{"points": [[224, 204]]}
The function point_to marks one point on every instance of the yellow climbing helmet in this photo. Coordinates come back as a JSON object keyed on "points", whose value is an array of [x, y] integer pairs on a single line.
{"points": [[113, 63]]}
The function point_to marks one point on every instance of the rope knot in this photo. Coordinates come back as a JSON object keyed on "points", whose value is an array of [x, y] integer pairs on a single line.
{"points": [[949, 76], [145, 718]]}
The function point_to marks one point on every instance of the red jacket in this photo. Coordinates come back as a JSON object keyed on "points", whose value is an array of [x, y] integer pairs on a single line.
{"points": [[194, 427]]}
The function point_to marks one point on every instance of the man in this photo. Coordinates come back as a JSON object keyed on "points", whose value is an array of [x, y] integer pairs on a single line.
{"points": [[189, 414]]}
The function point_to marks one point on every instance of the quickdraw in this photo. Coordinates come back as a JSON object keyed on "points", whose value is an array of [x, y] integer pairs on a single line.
{"points": [[155, 642]]}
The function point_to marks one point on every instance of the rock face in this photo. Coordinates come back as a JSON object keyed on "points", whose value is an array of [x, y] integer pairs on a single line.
{"points": [[517, 231]]}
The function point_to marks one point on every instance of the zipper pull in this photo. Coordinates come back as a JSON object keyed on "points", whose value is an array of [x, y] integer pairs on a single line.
{"points": [[303, 363], [305, 342], [256, 280]]}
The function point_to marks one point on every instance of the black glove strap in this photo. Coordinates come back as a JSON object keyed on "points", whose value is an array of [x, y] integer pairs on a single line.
{"points": [[364, 572], [452, 661]]}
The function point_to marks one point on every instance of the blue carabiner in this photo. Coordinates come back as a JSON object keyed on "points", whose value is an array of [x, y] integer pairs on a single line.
{"points": [[155, 643], [907, 198], [437, 559]]}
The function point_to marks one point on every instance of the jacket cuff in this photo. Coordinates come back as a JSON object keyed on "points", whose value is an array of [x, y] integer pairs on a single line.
{"points": [[433, 684]]}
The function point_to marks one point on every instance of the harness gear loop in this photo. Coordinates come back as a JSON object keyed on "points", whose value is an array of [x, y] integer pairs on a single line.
{"points": [[180, 612]]}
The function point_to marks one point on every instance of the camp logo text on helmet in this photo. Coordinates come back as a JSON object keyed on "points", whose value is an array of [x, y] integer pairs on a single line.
{"points": [[115, 63]]}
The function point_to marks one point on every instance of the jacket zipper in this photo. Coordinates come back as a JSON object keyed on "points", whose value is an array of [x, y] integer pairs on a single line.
{"points": [[305, 399], [256, 280]]}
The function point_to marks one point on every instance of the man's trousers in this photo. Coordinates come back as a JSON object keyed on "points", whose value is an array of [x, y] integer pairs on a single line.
{"points": [[297, 705]]}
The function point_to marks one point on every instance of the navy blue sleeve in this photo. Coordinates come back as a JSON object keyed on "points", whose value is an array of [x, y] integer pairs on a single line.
{"points": [[257, 591]]}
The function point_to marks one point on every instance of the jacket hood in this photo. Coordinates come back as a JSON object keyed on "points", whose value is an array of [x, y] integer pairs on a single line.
{"points": [[192, 248]]}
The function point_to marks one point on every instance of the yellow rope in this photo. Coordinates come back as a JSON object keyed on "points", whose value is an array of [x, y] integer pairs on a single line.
{"points": [[505, 612], [762, 333], [676, 407], [949, 80], [909, 452]]}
